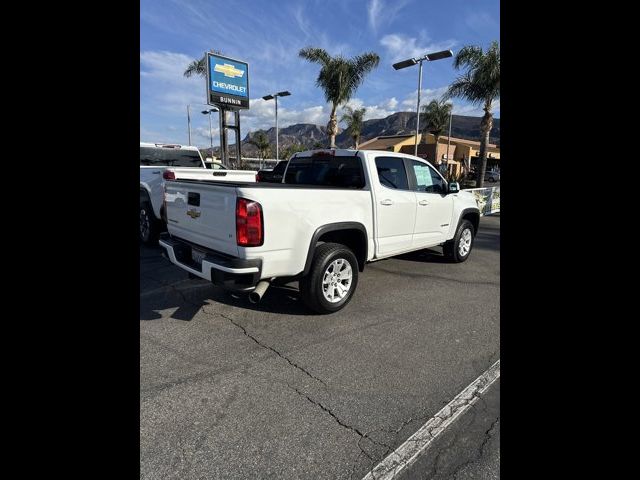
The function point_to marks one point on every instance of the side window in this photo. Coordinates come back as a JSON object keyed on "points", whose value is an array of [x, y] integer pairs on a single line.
{"points": [[427, 179], [391, 172]]}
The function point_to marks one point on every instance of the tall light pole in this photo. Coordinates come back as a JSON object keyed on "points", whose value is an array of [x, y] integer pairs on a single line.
{"points": [[209, 112], [189, 123], [189, 118], [275, 96], [429, 57], [448, 138]]}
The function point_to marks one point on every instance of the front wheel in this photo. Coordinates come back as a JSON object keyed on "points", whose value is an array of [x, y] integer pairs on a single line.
{"points": [[149, 225], [458, 249], [333, 278]]}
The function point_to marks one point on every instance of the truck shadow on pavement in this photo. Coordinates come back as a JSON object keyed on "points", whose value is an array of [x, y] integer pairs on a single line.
{"points": [[189, 299]]}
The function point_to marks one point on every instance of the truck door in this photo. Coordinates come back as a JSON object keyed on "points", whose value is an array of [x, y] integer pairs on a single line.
{"points": [[434, 206], [394, 205]]}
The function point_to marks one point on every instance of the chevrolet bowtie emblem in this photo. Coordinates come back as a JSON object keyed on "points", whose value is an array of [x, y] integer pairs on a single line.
{"points": [[193, 213], [228, 70]]}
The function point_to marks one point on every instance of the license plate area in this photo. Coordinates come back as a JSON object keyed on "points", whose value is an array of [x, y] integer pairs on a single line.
{"points": [[197, 256]]}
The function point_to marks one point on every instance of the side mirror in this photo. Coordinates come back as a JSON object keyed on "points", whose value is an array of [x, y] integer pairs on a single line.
{"points": [[454, 187]]}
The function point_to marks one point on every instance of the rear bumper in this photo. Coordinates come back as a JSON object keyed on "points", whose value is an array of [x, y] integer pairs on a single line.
{"points": [[231, 273]]}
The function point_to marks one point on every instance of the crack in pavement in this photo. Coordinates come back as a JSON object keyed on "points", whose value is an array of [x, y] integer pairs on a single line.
{"points": [[346, 426], [487, 436], [268, 347], [244, 330]]}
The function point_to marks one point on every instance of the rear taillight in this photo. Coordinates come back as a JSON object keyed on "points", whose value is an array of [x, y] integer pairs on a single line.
{"points": [[249, 226], [168, 175], [258, 179]]}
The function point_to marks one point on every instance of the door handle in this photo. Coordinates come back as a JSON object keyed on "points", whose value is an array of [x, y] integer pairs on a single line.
{"points": [[156, 172], [387, 202], [423, 202]]}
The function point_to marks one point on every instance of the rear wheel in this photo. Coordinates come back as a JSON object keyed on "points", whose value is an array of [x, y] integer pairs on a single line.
{"points": [[149, 225], [458, 249], [333, 278]]}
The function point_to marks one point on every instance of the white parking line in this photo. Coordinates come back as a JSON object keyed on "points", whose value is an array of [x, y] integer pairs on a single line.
{"points": [[173, 287], [407, 453]]}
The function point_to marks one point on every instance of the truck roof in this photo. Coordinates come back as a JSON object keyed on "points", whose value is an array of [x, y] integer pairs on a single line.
{"points": [[168, 145]]}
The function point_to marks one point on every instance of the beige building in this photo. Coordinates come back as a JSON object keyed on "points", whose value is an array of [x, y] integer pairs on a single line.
{"points": [[459, 149]]}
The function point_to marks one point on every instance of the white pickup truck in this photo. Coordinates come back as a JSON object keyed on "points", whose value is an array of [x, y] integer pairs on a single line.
{"points": [[155, 158], [334, 211]]}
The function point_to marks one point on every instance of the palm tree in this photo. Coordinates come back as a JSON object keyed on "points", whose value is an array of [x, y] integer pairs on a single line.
{"points": [[291, 149], [199, 67], [261, 142], [339, 78], [435, 117], [354, 119], [480, 85]]}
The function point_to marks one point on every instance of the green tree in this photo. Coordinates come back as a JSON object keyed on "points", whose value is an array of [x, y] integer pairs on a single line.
{"points": [[290, 150], [261, 142], [354, 118], [339, 78], [435, 118], [480, 85], [199, 67]]}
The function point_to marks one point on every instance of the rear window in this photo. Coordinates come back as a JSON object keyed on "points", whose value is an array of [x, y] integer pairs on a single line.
{"points": [[279, 168], [170, 157], [326, 170]]}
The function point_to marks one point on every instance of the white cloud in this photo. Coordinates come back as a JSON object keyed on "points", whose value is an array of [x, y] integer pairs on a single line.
{"points": [[373, 10], [426, 95], [400, 46], [203, 134], [475, 110], [390, 104], [165, 88], [380, 110], [380, 12]]}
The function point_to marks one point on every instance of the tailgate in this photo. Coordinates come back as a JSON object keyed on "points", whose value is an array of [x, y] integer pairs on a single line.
{"points": [[202, 213]]}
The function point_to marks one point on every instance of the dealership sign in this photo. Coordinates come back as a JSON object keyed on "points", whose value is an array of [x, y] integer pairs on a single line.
{"points": [[227, 82]]}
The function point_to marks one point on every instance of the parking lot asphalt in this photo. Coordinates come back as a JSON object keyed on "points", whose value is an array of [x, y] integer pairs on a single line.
{"points": [[233, 390]]}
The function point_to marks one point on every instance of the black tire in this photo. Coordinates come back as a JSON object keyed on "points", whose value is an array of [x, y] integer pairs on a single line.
{"points": [[150, 226], [452, 250], [311, 286]]}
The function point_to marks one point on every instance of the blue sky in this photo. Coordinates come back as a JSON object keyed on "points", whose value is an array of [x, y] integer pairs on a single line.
{"points": [[268, 35]]}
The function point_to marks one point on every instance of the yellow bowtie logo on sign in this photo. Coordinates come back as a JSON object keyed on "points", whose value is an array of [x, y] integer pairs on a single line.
{"points": [[228, 70]]}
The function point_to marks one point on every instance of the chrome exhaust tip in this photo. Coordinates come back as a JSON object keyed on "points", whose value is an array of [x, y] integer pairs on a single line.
{"points": [[258, 292]]}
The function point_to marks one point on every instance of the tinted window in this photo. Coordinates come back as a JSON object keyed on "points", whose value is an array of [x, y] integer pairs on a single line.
{"points": [[171, 157], [391, 172], [326, 170], [427, 179], [279, 168]]}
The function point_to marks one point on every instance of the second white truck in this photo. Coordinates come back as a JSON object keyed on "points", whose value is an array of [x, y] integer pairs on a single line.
{"points": [[334, 211], [186, 161]]}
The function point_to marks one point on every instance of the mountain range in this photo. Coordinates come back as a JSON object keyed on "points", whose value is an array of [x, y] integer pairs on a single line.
{"points": [[399, 123]]}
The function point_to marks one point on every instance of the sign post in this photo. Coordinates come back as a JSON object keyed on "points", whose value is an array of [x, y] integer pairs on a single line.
{"points": [[228, 90]]}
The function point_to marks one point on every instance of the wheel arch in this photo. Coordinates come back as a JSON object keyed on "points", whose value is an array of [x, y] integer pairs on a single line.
{"points": [[350, 234], [473, 215]]}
